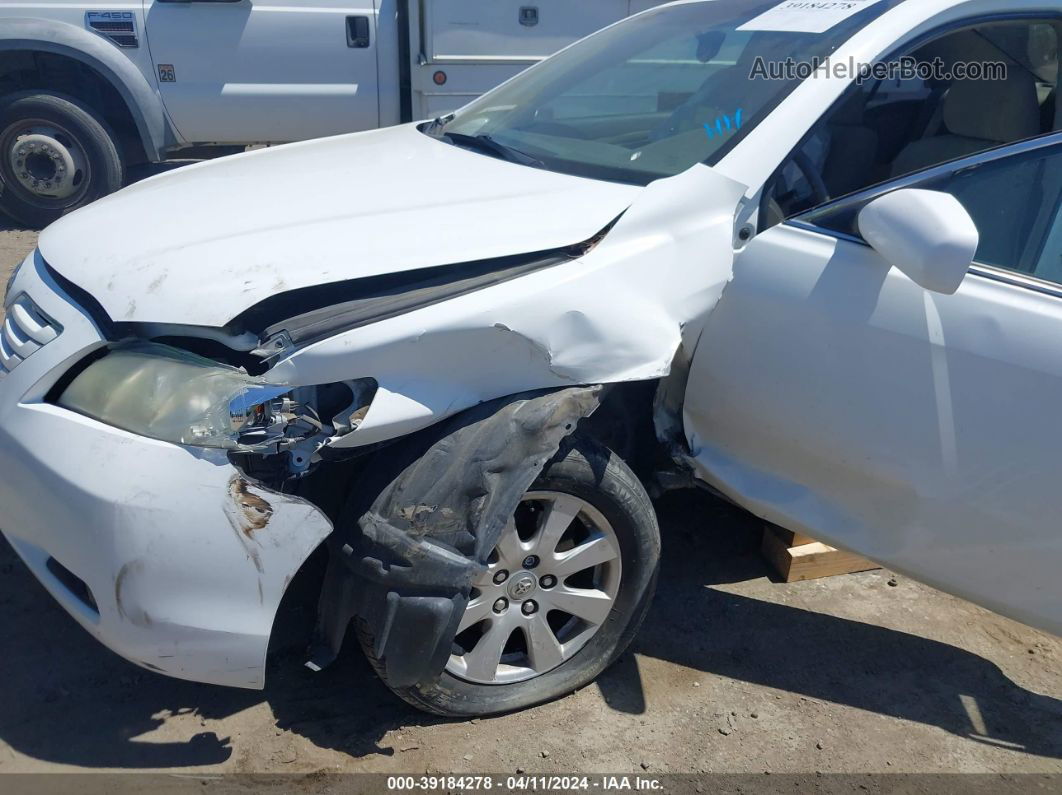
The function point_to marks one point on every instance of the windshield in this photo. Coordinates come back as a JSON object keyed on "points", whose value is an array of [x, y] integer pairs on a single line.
{"points": [[654, 95]]}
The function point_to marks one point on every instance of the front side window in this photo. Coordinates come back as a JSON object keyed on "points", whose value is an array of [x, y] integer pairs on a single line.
{"points": [[980, 87], [1015, 201], [651, 96]]}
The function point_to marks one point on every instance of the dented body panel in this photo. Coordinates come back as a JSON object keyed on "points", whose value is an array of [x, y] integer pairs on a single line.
{"points": [[911, 428], [622, 312], [619, 313], [275, 220], [168, 555]]}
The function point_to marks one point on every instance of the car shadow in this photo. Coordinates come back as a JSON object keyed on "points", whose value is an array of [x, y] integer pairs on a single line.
{"points": [[10, 225], [65, 699], [823, 657]]}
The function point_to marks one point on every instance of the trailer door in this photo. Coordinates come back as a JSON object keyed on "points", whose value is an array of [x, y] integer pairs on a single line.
{"points": [[467, 47]]}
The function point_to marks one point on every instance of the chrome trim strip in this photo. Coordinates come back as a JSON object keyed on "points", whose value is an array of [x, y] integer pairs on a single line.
{"points": [[805, 226], [1016, 279]]}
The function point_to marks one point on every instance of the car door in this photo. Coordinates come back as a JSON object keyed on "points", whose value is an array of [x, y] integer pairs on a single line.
{"points": [[832, 395], [248, 71]]}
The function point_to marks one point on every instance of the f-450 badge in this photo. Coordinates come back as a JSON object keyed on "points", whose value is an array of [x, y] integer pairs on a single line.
{"points": [[118, 26]]}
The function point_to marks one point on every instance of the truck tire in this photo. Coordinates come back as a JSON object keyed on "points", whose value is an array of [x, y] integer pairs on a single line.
{"points": [[56, 155], [611, 509]]}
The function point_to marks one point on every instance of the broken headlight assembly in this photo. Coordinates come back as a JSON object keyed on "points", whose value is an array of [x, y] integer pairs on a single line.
{"points": [[175, 396]]}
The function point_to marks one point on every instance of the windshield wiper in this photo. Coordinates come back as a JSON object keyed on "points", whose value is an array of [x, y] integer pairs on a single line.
{"points": [[437, 122], [485, 143]]}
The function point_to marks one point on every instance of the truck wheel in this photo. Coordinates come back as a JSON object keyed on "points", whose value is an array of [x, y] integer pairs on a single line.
{"points": [[55, 155], [567, 588]]}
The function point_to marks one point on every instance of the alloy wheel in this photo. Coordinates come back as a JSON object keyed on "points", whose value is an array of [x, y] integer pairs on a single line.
{"points": [[550, 584]]}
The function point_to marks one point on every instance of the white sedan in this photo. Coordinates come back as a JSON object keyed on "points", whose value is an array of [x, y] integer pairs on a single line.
{"points": [[807, 254]]}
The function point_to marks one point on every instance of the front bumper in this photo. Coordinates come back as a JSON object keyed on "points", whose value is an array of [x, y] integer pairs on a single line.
{"points": [[178, 562]]}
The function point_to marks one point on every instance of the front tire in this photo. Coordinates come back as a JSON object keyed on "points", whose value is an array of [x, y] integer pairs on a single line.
{"points": [[56, 155], [585, 533]]}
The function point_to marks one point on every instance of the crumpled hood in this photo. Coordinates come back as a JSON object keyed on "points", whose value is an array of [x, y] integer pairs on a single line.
{"points": [[200, 245]]}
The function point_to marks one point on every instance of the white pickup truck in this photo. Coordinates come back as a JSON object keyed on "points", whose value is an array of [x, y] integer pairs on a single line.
{"points": [[88, 89]]}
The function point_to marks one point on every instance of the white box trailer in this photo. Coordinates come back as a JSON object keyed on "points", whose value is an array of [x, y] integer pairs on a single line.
{"points": [[478, 45], [144, 80]]}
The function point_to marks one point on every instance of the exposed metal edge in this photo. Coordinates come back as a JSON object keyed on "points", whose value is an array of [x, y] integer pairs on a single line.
{"points": [[322, 323]]}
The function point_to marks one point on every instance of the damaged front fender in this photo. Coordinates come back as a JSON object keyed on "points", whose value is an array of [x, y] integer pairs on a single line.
{"points": [[621, 312], [412, 540], [416, 534]]}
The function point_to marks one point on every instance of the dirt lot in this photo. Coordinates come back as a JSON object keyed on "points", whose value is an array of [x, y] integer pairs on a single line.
{"points": [[732, 673]]}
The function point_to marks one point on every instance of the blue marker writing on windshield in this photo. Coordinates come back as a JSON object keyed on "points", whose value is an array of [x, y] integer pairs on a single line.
{"points": [[724, 125]]}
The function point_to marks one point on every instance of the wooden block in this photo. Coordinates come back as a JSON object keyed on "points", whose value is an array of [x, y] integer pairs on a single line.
{"points": [[809, 561], [790, 538]]}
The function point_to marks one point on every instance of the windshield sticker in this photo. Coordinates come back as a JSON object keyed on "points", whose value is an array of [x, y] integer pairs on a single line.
{"points": [[807, 16]]}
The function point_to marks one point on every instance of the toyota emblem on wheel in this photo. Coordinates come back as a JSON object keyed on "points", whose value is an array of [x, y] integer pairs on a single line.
{"points": [[522, 585]]}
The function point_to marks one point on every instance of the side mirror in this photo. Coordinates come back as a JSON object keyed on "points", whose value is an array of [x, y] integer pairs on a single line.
{"points": [[927, 235]]}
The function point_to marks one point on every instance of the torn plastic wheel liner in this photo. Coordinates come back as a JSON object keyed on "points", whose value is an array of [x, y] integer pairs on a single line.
{"points": [[419, 528]]}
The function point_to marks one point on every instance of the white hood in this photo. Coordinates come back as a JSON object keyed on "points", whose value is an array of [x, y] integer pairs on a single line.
{"points": [[200, 245]]}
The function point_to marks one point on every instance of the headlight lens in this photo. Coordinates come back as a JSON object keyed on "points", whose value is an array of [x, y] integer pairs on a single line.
{"points": [[175, 396]]}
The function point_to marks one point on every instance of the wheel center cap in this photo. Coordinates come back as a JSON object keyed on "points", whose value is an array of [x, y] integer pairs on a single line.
{"points": [[522, 585]]}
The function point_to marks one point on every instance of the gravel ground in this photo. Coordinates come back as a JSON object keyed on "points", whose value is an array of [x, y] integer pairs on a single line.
{"points": [[733, 673], [15, 244]]}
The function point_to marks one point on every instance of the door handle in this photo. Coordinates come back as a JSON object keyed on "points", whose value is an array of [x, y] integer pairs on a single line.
{"points": [[358, 32]]}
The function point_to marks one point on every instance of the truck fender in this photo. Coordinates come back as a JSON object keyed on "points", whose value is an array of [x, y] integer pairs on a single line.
{"points": [[419, 529], [61, 38]]}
